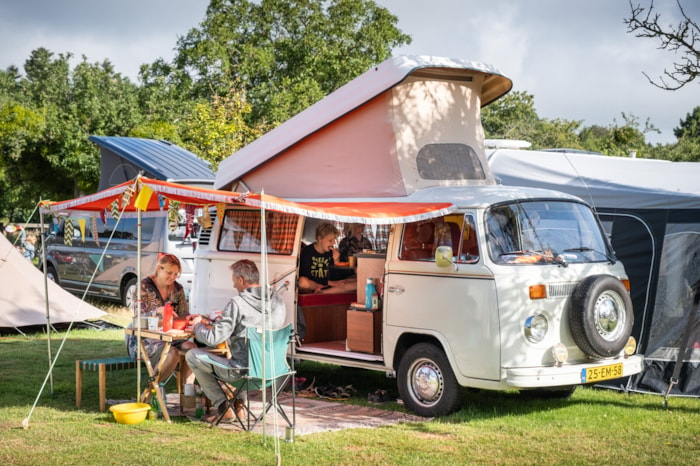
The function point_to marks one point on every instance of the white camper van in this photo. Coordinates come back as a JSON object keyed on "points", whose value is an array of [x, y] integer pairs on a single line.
{"points": [[488, 286]]}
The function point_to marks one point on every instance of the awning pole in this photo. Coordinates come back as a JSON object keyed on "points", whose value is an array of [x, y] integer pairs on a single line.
{"points": [[46, 295], [138, 306]]}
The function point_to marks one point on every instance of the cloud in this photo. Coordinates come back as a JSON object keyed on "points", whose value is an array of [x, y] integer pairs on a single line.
{"points": [[576, 58]]}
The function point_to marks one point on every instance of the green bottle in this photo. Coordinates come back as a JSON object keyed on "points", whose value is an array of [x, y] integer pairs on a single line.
{"points": [[154, 413]]}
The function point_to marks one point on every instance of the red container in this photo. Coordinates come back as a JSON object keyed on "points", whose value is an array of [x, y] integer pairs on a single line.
{"points": [[179, 323], [168, 317]]}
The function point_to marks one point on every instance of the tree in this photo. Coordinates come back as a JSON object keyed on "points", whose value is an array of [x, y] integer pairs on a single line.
{"points": [[690, 126], [286, 54], [682, 39], [514, 117], [216, 130], [617, 140], [46, 118]]}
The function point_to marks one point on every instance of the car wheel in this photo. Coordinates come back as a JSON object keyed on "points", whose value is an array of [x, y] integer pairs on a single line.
{"points": [[601, 316], [129, 293], [427, 384], [51, 274]]}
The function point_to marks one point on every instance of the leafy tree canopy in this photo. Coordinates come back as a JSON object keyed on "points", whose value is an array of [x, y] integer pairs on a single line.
{"points": [[286, 54]]}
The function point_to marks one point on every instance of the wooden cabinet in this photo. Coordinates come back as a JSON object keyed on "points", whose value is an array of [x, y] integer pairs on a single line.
{"points": [[369, 266], [364, 331]]}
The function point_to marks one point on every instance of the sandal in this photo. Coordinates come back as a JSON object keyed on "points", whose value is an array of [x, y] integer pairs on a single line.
{"points": [[309, 391], [327, 392], [379, 396]]}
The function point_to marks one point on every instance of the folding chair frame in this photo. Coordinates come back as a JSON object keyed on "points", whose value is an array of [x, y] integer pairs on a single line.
{"points": [[278, 373]]}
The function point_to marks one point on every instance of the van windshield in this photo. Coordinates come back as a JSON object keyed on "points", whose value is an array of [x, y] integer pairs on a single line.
{"points": [[545, 232]]}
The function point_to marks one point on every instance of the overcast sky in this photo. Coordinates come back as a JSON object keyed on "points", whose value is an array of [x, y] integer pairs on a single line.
{"points": [[576, 58]]}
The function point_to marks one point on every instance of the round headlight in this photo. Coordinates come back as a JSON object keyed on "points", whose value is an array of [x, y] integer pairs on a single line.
{"points": [[536, 328]]}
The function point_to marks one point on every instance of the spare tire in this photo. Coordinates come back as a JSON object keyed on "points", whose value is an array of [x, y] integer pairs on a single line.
{"points": [[601, 316]]}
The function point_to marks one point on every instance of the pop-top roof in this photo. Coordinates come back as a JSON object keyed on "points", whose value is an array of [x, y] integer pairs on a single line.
{"points": [[370, 129]]}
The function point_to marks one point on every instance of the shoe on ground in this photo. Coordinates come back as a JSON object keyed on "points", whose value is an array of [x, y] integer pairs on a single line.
{"points": [[222, 413]]}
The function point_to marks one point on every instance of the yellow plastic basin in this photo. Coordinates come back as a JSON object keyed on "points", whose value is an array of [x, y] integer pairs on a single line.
{"points": [[130, 413]]}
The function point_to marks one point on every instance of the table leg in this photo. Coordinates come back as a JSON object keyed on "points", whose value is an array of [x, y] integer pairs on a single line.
{"points": [[154, 378]]}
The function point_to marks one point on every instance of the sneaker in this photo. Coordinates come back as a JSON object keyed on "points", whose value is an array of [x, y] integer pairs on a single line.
{"points": [[222, 413]]}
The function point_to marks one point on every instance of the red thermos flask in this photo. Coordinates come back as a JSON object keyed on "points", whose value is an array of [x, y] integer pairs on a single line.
{"points": [[168, 317]]}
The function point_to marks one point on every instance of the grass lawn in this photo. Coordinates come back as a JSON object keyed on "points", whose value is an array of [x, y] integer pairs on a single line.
{"points": [[592, 427]]}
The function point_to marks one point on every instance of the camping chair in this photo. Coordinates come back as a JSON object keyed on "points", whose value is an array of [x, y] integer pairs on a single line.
{"points": [[278, 373]]}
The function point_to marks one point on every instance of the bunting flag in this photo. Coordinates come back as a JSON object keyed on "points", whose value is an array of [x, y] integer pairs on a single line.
{"points": [[81, 224], [103, 217], [126, 196], [173, 215], [115, 209], [143, 198], [161, 201], [68, 232], [93, 228], [220, 208], [189, 219], [205, 219]]}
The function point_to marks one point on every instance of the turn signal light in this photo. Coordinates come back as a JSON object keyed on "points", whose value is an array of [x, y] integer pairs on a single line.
{"points": [[630, 347], [626, 282], [560, 353], [538, 291]]}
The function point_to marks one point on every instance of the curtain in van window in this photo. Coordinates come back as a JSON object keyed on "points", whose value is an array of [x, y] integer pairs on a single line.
{"points": [[241, 231], [282, 230]]}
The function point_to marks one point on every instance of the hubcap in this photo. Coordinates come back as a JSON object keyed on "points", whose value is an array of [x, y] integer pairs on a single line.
{"points": [[427, 382], [609, 315]]}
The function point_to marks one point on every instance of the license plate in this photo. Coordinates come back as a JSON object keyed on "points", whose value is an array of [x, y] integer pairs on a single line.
{"points": [[594, 374]]}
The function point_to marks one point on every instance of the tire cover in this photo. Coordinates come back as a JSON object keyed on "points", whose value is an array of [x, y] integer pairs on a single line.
{"points": [[601, 316]]}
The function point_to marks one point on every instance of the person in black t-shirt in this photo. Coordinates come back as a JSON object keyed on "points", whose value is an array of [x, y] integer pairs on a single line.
{"points": [[316, 260]]}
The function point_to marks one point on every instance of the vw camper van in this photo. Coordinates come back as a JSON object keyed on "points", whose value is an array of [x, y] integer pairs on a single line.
{"points": [[488, 287]]}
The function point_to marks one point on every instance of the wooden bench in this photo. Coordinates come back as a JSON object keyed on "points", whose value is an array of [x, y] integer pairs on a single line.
{"points": [[102, 366], [325, 315]]}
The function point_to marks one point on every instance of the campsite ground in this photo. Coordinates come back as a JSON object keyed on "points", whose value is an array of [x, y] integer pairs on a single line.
{"points": [[594, 426]]}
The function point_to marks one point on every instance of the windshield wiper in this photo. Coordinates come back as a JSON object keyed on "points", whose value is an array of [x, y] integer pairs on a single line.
{"points": [[610, 258]]}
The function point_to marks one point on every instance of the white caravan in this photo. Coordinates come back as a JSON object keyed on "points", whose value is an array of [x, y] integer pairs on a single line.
{"points": [[489, 287]]}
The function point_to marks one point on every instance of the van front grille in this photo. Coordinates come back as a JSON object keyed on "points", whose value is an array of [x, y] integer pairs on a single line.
{"points": [[560, 290]]}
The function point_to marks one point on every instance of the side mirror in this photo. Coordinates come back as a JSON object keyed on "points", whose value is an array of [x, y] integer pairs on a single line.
{"points": [[443, 257]]}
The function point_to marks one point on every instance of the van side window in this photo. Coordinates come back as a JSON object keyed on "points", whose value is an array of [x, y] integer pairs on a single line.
{"points": [[470, 246], [421, 239], [126, 228], [417, 242], [240, 231]]}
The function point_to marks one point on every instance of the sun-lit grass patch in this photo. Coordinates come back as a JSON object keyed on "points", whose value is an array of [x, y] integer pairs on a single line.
{"points": [[592, 427]]}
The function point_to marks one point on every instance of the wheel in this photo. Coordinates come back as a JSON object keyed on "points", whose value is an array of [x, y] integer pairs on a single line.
{"points": [[51, 274], [129, 293], [601, 316], [555, 393], [427, 384]]}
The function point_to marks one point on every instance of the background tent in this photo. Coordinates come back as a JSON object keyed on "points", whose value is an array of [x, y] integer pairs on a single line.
{"points": [[651, 210], [23, 297], [123, 158]]}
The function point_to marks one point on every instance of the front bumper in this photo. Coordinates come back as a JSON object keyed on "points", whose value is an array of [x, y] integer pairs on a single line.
{"points": [[567, 374]]}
